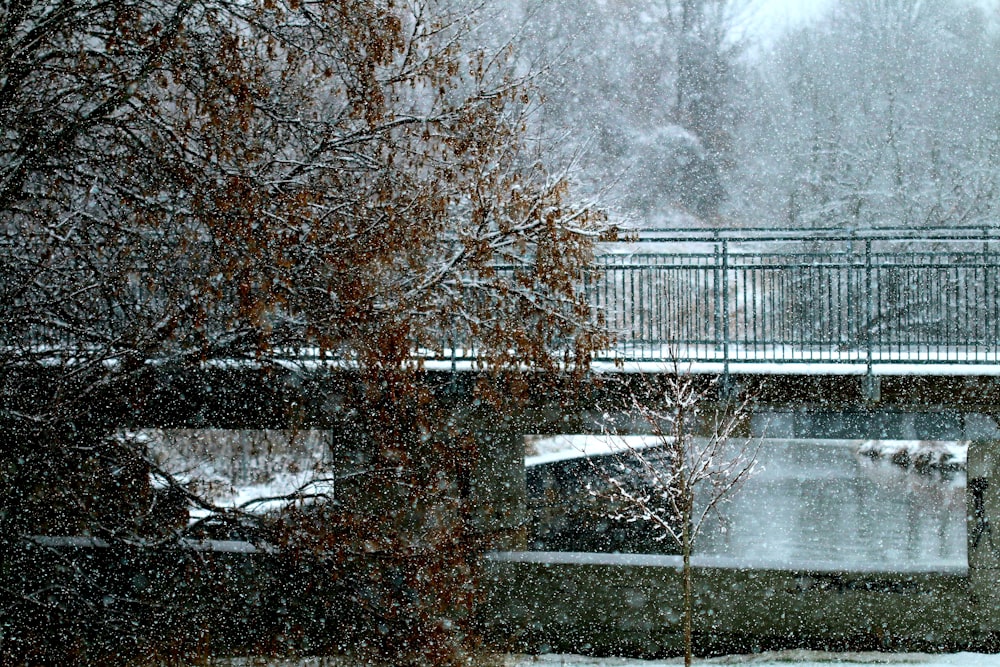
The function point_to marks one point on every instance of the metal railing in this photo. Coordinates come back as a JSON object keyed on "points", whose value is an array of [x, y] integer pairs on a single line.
{"points": [[801, 296], [756, 295]]}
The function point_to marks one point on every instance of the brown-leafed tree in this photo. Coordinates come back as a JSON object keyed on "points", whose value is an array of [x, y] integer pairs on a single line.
{"points": [[183, 181]]}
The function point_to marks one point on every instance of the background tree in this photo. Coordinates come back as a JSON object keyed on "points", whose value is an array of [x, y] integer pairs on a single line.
{"points": [[648, 91], [878, 115]]}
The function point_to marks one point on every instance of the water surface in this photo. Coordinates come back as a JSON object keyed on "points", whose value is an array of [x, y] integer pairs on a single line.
{"points": [[818, 500]]}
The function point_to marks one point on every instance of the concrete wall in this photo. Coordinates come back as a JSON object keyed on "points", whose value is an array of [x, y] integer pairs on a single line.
{"points": [[631, 605], [874, 423]]}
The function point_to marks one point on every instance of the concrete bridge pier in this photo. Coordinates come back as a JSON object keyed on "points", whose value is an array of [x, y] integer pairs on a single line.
{"points": [[490, 478], [497, 488], [983, 532]]}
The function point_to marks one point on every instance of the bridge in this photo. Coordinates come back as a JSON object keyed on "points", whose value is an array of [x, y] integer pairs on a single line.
{"points": [[908, 319], [811, 311], [913, 313]]}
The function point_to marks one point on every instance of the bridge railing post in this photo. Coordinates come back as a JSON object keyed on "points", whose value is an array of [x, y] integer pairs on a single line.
{"points": [[987, 327], [869, 306], [725, 311], [721, 290], [717, 297], [870, 382]]}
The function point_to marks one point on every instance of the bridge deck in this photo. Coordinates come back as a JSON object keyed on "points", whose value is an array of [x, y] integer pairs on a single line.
{"points": [[789, 362]]}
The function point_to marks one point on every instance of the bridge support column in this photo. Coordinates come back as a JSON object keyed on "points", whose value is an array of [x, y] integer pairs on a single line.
{"points": [[982, 511], [871, 388], [468, 452], [498, 493]]}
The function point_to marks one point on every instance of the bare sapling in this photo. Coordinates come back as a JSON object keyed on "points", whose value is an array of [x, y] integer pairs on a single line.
{"points": [[695, 464]]}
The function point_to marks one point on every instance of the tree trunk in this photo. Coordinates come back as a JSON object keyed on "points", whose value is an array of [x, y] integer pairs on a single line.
{"points": [[688, 597]]}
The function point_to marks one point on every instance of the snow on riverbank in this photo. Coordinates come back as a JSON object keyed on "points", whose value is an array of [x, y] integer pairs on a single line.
{"points": [[921, 454], [257, 470], [550, 449]]}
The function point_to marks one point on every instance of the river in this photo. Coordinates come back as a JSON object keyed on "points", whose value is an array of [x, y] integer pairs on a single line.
{"points": [[821, 501]]}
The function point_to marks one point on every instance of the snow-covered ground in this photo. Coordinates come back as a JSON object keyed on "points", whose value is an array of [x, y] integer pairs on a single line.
{"points": [[770, 659], [944, 454], [921, 454], [255, 470], [776, 659], [550, 449]]}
